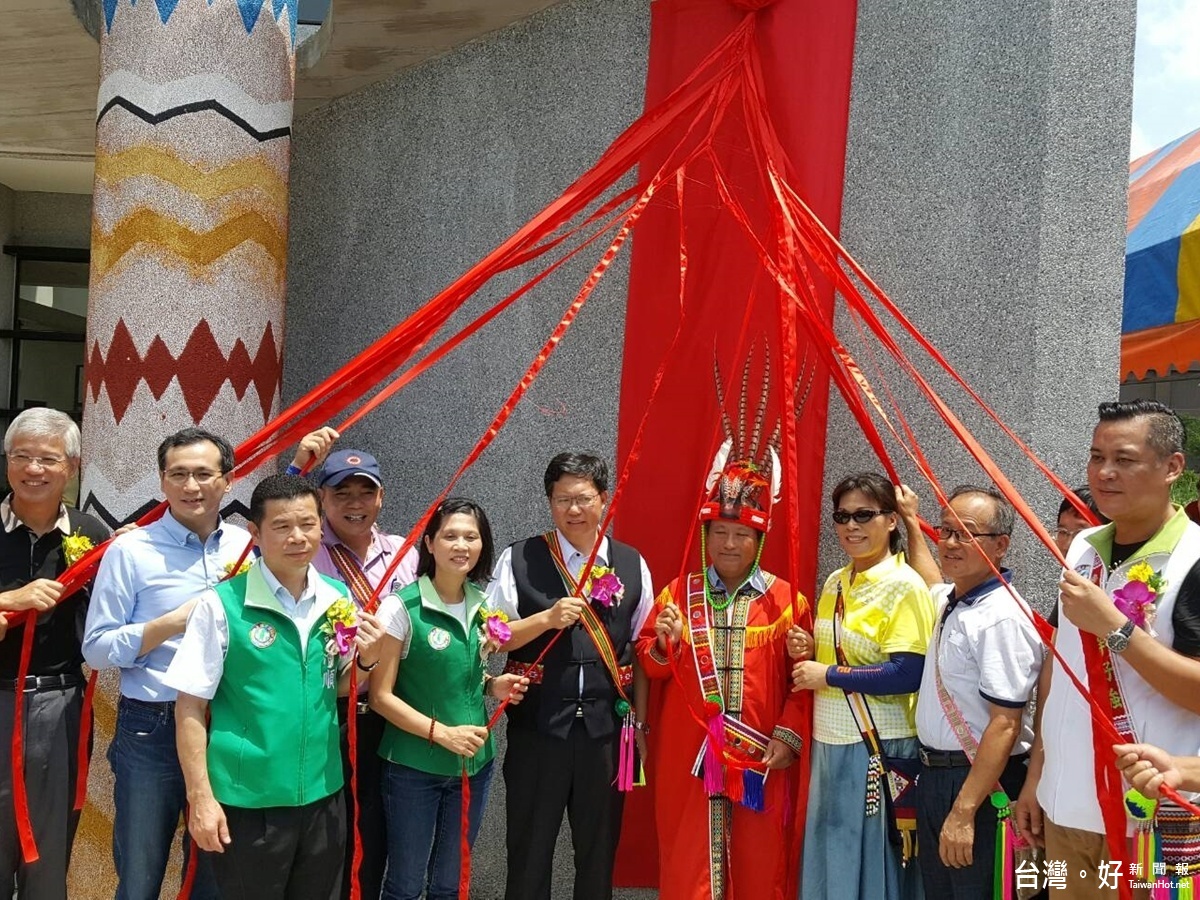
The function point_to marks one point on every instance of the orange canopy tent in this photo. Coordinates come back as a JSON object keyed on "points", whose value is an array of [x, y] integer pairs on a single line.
{"points": [[1160, 327]]}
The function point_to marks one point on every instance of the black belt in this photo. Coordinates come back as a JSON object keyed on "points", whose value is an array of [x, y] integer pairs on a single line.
{"points": [[955, 759], [944, 759], [43, 682], [363, 708]]}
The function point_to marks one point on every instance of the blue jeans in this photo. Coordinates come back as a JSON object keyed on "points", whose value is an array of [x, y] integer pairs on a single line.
{"points": [[149, 797], [424, 820]]}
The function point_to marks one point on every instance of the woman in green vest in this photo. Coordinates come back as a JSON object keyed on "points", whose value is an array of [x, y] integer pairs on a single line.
{"points": [[430, 686]]}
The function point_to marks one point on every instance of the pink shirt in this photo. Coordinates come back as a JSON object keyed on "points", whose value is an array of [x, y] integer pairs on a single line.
{"points": [[379, 556]]}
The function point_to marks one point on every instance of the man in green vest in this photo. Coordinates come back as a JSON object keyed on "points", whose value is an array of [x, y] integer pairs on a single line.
{"points": [[267, 653]]}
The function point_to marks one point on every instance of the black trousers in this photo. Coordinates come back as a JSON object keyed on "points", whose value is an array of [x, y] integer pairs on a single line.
{"points": [[52, 721], [936, 790], [543, 776], [283, 852], [372, 829]]}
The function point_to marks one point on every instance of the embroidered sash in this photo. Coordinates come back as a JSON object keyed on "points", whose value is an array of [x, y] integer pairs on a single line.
{"points": [[353, 574], [896, 777], [730, 742], [1165, 833], [591, 622]]}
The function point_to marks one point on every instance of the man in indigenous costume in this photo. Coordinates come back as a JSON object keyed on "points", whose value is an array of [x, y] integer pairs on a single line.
{"points": [[1129, 627], [357, 553], [729, 724], [39, 538], [571, 743]]}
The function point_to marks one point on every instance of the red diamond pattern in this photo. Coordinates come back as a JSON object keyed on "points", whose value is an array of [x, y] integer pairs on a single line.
{"points": [[200, 370]]}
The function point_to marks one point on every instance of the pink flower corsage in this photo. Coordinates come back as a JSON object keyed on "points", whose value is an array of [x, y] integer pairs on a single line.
{"points": [[1137, 598], [605, 588], [494, 629]]}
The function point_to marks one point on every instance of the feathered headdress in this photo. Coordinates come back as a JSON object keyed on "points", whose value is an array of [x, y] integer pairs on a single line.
{"points": [[739, 488]]}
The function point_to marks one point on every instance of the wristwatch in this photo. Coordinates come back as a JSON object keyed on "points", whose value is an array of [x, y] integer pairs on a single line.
{"points": [[1117, 641], [642, 727]]}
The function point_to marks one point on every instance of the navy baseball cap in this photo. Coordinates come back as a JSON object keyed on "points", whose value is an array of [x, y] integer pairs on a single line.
{"points": [[343, 464]]}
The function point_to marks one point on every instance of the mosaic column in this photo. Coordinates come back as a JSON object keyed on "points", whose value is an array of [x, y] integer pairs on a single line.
{"points": [[189, 233]]}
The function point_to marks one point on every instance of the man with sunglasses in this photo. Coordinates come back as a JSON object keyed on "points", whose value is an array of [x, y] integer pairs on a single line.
{"points": [[147, 584], [563, 739], [974, 719]]}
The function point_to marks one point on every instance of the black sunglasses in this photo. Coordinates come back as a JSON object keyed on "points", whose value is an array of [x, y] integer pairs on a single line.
{"points": [[861, 516]]}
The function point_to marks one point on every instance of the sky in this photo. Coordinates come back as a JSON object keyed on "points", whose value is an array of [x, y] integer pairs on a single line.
{"points": [[1166, 73]]}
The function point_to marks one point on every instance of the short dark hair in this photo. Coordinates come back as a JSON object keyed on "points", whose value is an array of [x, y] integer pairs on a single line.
{"points": [[481, 572], [186, 437], [881, 491], [1003, 516], [581, 465], [1166, 434], [1084, 493], [280, 487]]}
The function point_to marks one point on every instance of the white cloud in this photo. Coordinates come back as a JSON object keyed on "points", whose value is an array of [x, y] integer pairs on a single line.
{"points": [[1166, 84]]}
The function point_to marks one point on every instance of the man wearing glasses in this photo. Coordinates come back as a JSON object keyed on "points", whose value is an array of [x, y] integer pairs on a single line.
{"points": [[974, 720], [563, 740], [42, 450], [147, 584]]}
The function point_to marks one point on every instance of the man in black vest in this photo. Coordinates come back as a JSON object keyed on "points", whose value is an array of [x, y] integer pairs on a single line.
{"points": [[563, 740]]}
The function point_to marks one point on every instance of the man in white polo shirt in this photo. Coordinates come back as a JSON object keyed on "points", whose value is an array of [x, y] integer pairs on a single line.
{"points": [[1137, 658], [973, 715]]}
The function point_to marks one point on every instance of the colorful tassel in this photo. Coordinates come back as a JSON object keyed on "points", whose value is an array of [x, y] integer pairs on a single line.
{"points": [[714, 751], [626, 759], [753, 790]]}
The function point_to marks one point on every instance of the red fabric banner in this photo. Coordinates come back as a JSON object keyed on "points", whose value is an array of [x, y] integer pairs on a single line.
{"points": [[729, 306]]}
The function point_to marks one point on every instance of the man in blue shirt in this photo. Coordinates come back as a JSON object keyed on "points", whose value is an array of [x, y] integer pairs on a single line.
{"points": [[147, 584]]}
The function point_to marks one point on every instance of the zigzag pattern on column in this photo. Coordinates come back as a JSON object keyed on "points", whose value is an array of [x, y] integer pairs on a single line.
{"points": [[92, 504], [249, 10], [200, 369], [251, 173], [198, 248], [155, 102]]}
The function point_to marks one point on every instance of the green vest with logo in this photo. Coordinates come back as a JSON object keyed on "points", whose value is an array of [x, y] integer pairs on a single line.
{"points": [[273, 738], [442, 677]]}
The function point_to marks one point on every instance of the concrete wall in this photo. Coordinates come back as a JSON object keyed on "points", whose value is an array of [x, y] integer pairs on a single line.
{"points": [[984, 190], [396, 191], [53, 220]]}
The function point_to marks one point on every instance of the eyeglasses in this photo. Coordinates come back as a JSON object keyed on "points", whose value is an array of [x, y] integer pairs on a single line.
{"points": [[1068, 533], [946, 533], [180, 477], [23, 460], [582, 501], [860, 516]]}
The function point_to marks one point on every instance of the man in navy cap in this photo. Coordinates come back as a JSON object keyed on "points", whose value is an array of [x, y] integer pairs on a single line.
{"points": [[354, 551]]}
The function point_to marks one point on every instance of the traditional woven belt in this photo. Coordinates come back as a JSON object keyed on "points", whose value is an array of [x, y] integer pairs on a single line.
{"points": [[536, 673]]}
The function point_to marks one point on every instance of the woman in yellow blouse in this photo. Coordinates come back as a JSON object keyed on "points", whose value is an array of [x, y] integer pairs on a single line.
{"points": [[874, 622]]}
